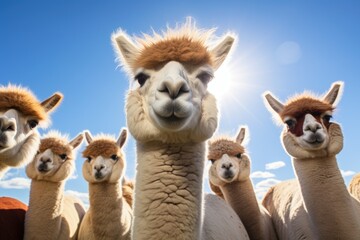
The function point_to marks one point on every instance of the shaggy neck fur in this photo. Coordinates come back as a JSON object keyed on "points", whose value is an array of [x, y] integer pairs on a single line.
{"points": [[168, 194], [25, 153], [107, 197], [44, 215], [328, 203], [241, 197], [354, 187]]}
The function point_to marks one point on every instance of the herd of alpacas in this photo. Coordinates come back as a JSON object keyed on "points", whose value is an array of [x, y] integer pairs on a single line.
{"points": [[172, 115]]}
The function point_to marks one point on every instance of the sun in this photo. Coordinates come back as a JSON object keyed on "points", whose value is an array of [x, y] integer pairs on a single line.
{"points": [[222, 83]]}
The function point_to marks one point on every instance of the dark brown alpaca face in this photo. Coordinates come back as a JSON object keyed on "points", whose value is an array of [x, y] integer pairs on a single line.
{"points": [[306, 117]]}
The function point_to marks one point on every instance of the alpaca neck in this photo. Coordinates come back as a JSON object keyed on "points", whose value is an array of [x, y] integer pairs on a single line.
{"points": [[168, 194], [332, 211], [109, 221], [45, 209], [241, 197]]}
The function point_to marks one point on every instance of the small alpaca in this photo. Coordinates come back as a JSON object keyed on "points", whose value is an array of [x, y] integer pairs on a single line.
{"points": [[317, 204], [51, 215], [229, 177], [20, 114], [354, 187], [110, 213], [171, 114]]}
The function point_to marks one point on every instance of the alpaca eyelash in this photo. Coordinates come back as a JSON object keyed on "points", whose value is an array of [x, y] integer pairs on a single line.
{"points": [[88, 159], [114, 157]]}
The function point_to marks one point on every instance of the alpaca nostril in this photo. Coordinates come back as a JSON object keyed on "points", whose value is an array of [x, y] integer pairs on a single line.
{"points": [[226, 166], [174, 88], [99, 167]]}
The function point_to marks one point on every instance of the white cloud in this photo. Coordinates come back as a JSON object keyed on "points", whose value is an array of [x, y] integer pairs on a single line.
{"points": [[267, 183], [262, 187], [347, 173], [74, 175], [275, 165], [15, 183], [84, 197], [260, 174]]}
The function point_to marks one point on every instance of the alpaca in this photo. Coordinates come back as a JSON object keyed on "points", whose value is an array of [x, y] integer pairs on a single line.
{"points": [[171, 114], [110, 213], [20, 114], [354, 186], [51, 214], [230, 175], [317, 204]]}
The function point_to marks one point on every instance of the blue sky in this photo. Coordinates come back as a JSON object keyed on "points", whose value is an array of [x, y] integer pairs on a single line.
{"points": [[283, 46]]}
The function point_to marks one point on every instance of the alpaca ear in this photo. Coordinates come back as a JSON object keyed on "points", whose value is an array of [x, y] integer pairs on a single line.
{"points": [[333, 96], [77, 140], [125, 48], [241, 135], [88, 136], [272, 104], [52, 102], [122, 138], [221, 50]]}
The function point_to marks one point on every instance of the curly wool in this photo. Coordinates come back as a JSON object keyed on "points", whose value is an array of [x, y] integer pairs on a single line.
{"points": [[57, 146], [22, 100], [224, 146], [101, 147], [299, 105]]}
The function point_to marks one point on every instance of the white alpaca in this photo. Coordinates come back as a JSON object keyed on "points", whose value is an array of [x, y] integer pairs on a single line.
{"points": [[317, 204], [51, 214], [230, 173], [171, 114], [20, 114], [110, 213]]}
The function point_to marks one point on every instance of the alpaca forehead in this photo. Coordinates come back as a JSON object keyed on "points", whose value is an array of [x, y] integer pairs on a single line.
{"points": [[22, 100], [183, 49], [102, 147], [57, 146], [306, 105], [223, 146]]}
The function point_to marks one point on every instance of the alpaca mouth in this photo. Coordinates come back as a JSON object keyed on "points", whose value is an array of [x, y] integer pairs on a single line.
{"points": [[99, 176], [315, 139], [43, 168]]}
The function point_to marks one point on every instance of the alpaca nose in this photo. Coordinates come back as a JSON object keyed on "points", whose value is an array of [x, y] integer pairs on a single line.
{"points": [[7, 124], [98, 168], [174, 87], [227, 166], [313, 127], [45, 160]]}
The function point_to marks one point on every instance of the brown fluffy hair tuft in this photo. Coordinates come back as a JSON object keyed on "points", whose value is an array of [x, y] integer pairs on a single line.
{"points": [[220, 147], [101, 147], [22, 100], [302, 104]]}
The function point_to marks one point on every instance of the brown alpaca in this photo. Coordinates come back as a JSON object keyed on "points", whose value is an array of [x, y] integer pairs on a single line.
{"points": [[317, 204], [20, 114], [51, 214], [229, 177], [110, 214], [171, 114]]}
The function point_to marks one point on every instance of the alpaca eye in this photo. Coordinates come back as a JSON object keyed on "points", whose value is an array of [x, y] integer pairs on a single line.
{"points": [[63, 156], [205, 77], [114, 157], [141, 78], [88, 159], [33, 123], [290, 123], [238, 155], [212, 161], [327, 118]]}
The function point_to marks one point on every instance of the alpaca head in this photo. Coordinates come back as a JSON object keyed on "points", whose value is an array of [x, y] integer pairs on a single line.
{"points": [[55, 159], [169, 100], [20, 114], [229, 161], [105, 160], [307, 119]]}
